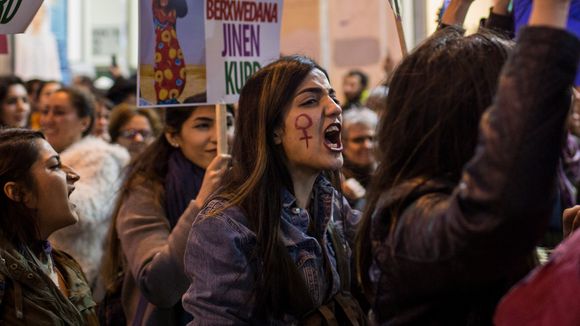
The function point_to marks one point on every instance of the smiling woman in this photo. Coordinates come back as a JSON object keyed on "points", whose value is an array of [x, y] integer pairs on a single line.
{"points": [[165, 187], [277, 228], [35, 280]]}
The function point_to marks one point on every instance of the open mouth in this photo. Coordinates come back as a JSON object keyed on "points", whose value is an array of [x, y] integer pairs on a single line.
{"points": [[332, 137]]}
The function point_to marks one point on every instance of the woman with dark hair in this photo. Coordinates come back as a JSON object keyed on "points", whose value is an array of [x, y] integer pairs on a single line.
{"points": [[66, 122], [165, 187], [453, 215], [38, 285], [42, 95], [14, 102], [103, 109], [275, 227], [134, 128]]}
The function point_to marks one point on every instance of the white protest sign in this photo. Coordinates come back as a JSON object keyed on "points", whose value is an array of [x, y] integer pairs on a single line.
{"points": [[16, 15], [241, 37], [203, 51]]}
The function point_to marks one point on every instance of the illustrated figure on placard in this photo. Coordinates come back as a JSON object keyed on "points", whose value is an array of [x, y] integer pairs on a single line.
{"points": [[169, 65]]}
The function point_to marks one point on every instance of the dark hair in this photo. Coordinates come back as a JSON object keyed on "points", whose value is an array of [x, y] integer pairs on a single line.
{"points": [[5, 83], [122, 89], [45, 84], [259, 174], [32, 86], [364, 79], [18, 152], [123, 113], [150, 166], [436, 98], [84, 104]]}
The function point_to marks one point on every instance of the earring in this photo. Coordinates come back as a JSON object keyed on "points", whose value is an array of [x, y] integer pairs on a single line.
{"points": [[175, 145]]}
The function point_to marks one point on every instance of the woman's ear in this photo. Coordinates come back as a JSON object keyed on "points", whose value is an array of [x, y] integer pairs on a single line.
{"points": [[277, 136], [12, 190], [17, 193], [85, 123], [172, 139]]}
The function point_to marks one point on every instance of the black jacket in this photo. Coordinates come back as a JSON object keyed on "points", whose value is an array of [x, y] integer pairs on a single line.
{"points": [[457, 248]]}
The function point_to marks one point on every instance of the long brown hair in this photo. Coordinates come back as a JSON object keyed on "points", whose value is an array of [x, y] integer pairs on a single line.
{"points": [[150, 166], [259, 174], [18, 152], [429, 129]]}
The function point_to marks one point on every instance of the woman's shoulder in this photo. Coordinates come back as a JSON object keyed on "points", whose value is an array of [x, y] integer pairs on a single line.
{"points": [[219, 213]]}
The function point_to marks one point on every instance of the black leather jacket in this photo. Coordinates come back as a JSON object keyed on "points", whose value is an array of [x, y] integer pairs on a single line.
{"points": [[457, 248]]}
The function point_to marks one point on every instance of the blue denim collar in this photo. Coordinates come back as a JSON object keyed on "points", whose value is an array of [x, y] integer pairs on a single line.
{"points": [[323, 192]]}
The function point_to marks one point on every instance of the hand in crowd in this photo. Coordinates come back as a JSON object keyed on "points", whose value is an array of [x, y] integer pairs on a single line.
{"points": [[456, 12], [501, 7], [213, 175], [571, 219], [550, 13]]}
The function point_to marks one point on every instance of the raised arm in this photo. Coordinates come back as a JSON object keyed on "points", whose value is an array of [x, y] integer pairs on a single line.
{"points": [[456, 13], [504, 197]]}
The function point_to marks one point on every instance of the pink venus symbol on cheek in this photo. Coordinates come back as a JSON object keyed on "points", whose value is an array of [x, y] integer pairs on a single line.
{"points": [[303, 122]]}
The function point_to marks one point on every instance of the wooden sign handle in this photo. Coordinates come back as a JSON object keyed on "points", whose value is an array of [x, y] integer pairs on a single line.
{"points": [[222, 128]]}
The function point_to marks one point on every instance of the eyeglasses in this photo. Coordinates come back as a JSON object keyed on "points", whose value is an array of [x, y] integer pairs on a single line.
{"points": [[362, 139], [132, 133]]}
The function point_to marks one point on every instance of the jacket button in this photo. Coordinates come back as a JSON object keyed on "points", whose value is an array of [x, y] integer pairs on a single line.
{"points": [[30, 276], [14, 266]]}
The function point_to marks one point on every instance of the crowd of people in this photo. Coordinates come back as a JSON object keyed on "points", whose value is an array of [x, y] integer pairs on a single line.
{"points": [[424, 201]]}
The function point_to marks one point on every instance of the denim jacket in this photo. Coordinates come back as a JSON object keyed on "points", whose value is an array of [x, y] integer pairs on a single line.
{"points": [[218, 257]]}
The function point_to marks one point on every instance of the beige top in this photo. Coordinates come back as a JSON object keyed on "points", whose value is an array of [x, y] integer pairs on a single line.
{"points": [[153, 253]]}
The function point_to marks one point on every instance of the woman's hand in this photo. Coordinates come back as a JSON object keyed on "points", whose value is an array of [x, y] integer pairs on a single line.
{"points": [[213, 176], [500, 7], [571, 220], [456, 12], [550, 13]]}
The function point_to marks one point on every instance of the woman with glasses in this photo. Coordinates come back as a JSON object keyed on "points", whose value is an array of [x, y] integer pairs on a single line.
{"points": [[165, 188], [134, 128]]}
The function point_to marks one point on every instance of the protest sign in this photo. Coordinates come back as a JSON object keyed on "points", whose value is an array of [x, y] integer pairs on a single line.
{"points": [[203, 51], [16, 15], [241, 37]]}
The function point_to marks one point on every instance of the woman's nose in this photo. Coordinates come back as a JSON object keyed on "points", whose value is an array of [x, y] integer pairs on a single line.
{"points": [[71, 175], [139, 138], [21, 105], [333, 108]]}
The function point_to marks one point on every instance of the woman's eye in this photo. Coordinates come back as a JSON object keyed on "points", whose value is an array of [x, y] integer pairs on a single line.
{"points": [[309, 102], [202, 126]]}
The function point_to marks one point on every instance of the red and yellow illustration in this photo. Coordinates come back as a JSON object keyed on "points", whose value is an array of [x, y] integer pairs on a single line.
{"points": [[169, 64]]}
